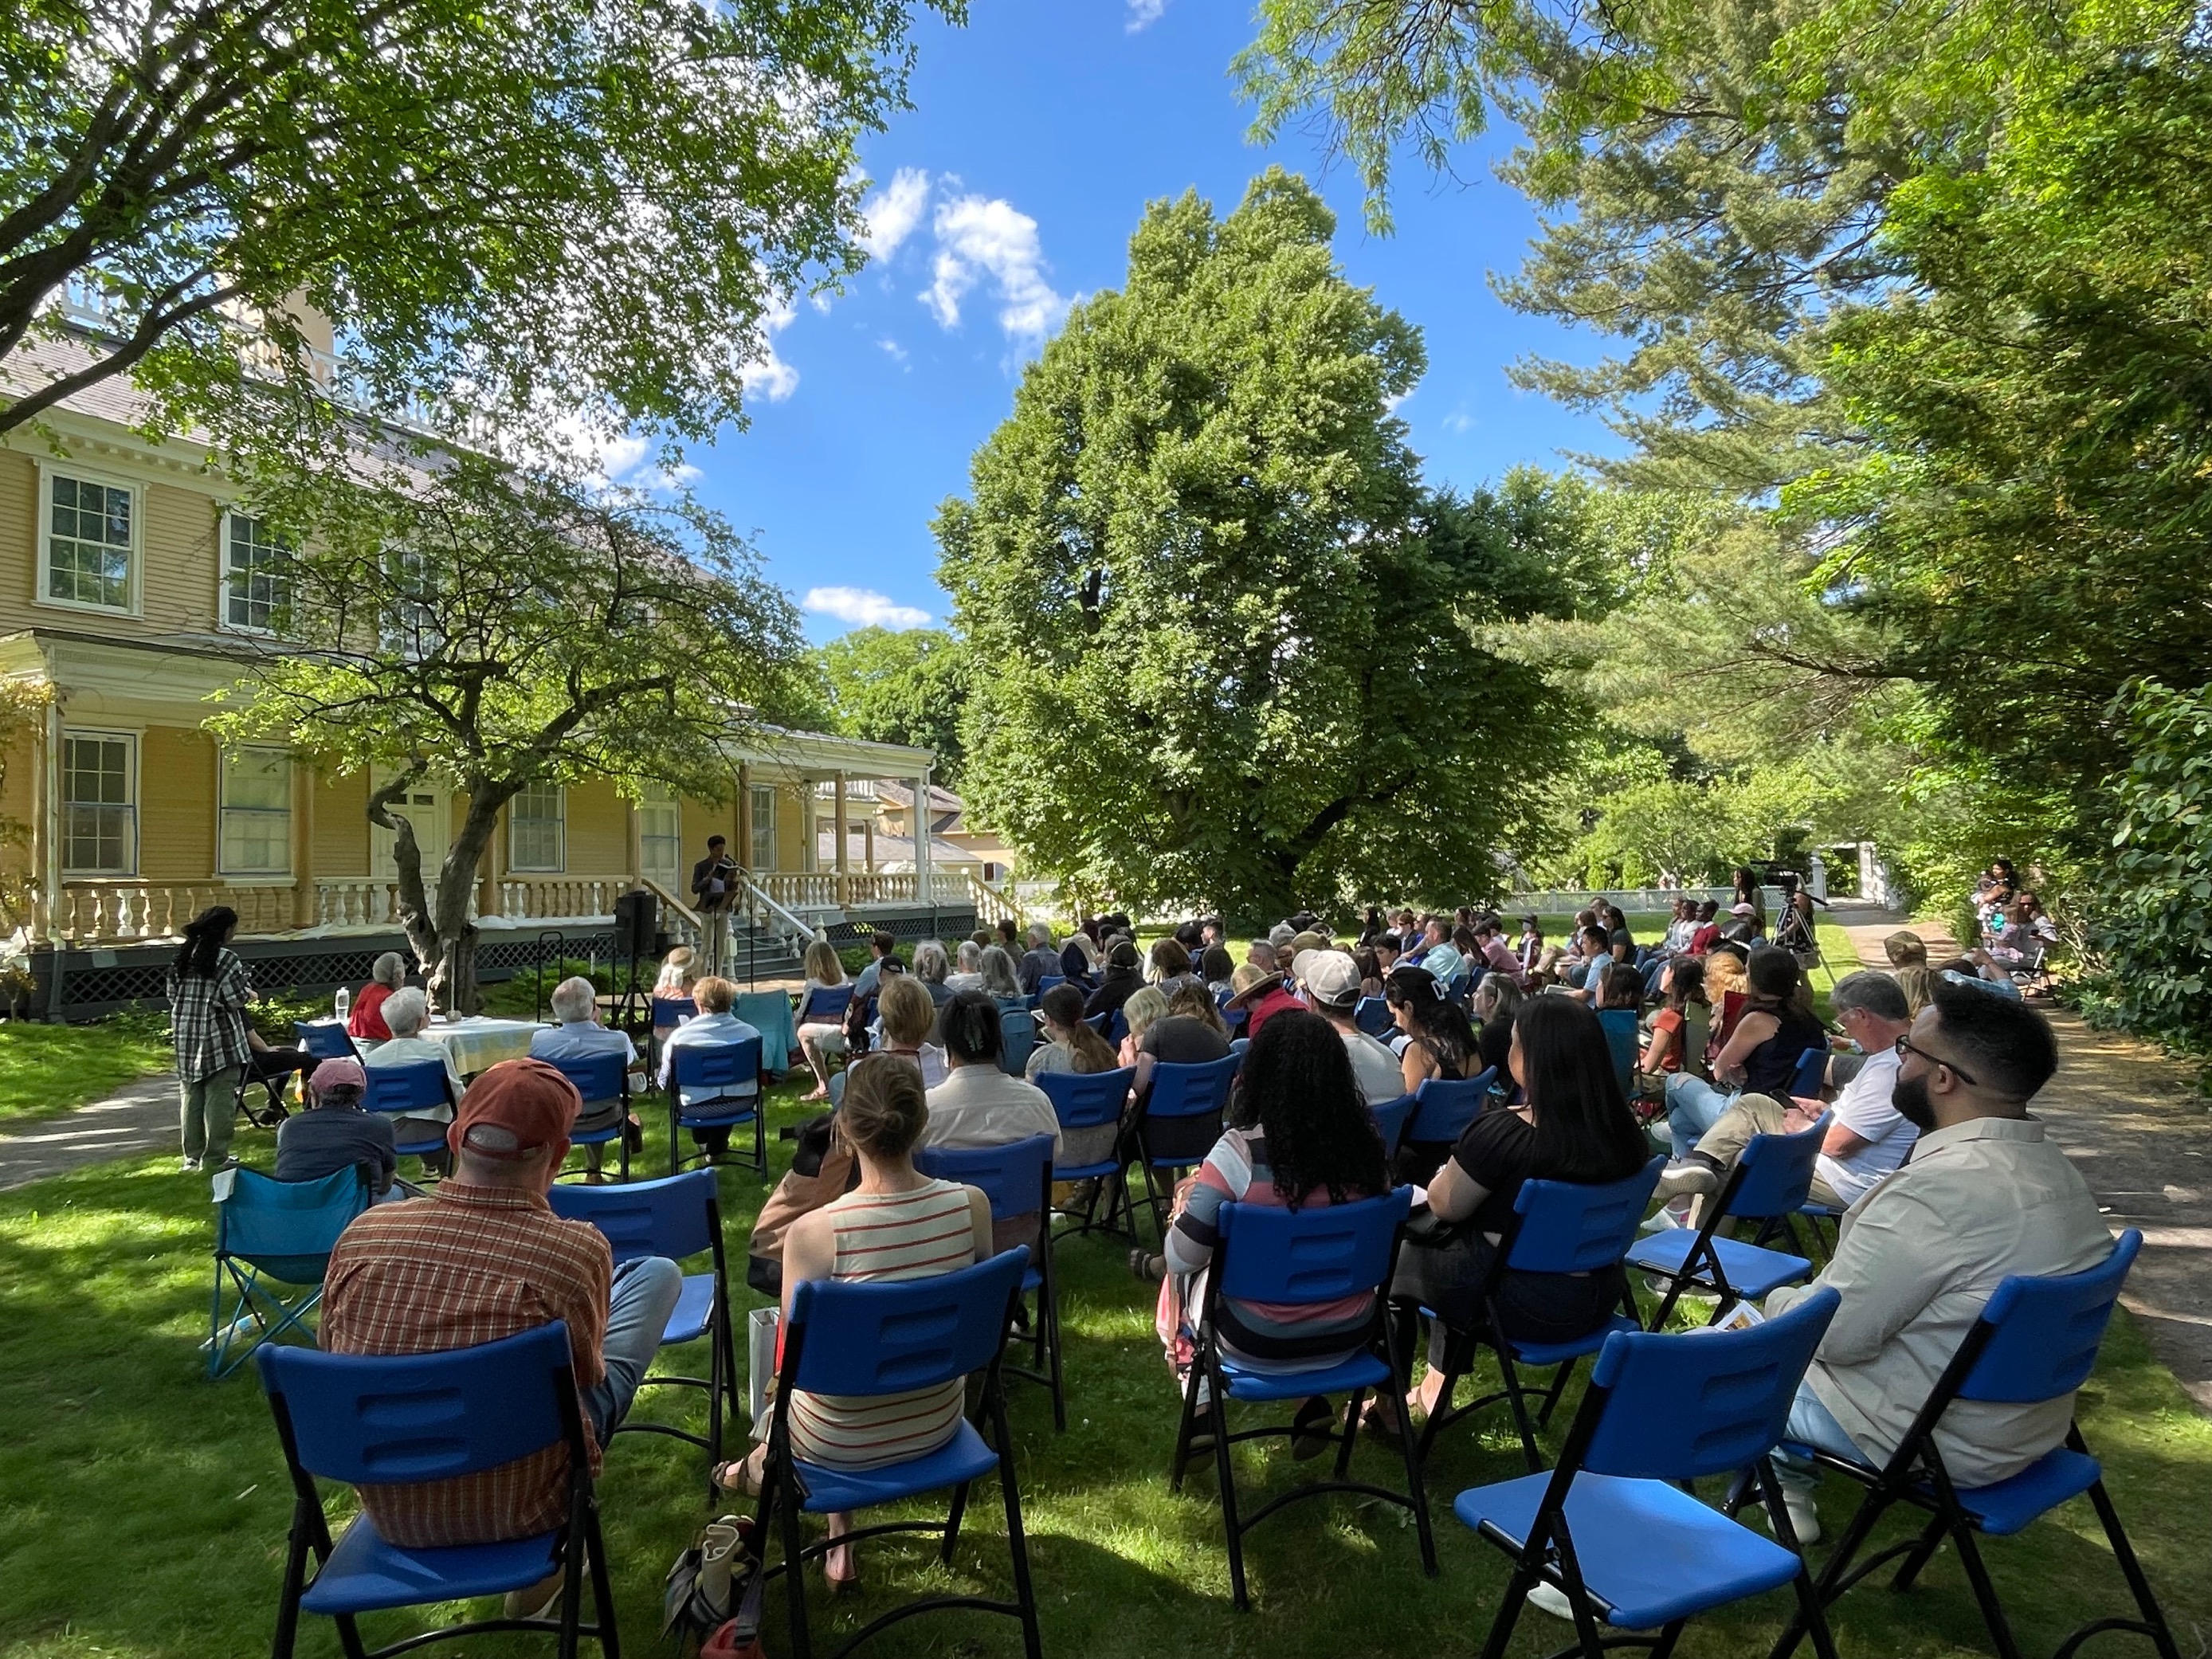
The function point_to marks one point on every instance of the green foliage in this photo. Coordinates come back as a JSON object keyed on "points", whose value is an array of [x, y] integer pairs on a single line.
{"points": [[1237, 657], [588, 207], [903, 685], [530, 992]]}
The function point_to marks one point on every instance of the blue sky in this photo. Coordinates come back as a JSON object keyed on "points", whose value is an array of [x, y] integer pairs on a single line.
{"points": [[1038, 134]]}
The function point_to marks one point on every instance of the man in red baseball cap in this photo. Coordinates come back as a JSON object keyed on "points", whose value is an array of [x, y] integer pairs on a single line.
{"points": [[482, 1257]]}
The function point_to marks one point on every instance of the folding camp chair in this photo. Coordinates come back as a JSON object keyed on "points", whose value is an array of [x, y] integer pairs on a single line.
{"points": [[1372, 1015], [1018, 1179], [727, 1077], [864, 1339], [599, 1078], [677, 1217], [1557, 1227], [269, 1232], [1086, 1104], [2037, 1339], [1771, 1178], [1624, 1034], [1288, 1258], [1614, 1526], [412, 1086], [1181, 1122], [1017, 1036], [371, 1421]]}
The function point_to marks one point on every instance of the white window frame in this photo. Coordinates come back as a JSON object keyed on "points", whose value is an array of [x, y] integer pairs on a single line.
{"points": [[656, 797], [42, 572], [224, 809], [131, 752], [764, 825], [224, 572], [560, 821]]}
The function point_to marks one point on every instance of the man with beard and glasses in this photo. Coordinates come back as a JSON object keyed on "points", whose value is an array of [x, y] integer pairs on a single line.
{"points": [[1984, 1194]]}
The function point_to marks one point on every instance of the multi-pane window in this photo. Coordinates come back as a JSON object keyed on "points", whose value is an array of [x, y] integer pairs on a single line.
{"points": [[533, 829], [99, 816], [762, 851], [89, 539], [660, 837], [256, 591], [256, 812]]}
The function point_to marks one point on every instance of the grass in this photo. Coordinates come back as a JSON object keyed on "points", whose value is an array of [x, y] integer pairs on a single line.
{"points": [[143, 1510], [48, 1070]]}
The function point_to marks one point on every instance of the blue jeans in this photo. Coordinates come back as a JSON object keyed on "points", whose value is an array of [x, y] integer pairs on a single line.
{"points": [[644, 1295], [1694, 1106], [1812, 1423]]}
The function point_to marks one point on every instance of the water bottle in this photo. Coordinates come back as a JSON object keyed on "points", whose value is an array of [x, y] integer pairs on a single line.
{"points": [[343, 1001]]}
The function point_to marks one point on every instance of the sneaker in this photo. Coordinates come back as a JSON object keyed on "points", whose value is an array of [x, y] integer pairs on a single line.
{"points": [[1550, 1598], [1679, 1183], [1804, 1515], [189, 1166], [1676, 1213]]}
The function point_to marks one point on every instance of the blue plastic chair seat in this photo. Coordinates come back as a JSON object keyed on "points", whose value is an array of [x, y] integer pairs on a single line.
{"points": [[1537, 1354], [1649, 1552], [1362, 1370], [1085, 1171], [964, 1457], [704, 1116], [365, 1574], [688, 1321], [1752, 1271], [2008, 1507]]}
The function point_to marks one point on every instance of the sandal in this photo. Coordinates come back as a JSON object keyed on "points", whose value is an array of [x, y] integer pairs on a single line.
{"points": [[1313, 1430], [841, 1583], [746, 1482], [1147, 1267]]}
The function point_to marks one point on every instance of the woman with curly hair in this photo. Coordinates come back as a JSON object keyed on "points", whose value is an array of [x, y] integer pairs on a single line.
{"points": [[1299, 1134]]}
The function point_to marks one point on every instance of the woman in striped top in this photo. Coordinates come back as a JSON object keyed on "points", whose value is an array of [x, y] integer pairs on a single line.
{"points": [[1300, 1135], [898, 1224]]}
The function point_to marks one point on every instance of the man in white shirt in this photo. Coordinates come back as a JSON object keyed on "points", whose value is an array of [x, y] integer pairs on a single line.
{"points": [[579, 1036], [405, 1012], [1867, 1137], [978, 1104], [1984, 1196], [713, 1026], [1331, 982]]}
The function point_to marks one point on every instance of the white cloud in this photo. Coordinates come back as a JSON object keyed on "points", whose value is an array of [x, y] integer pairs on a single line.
{"points": [[891, 349], [1143, 14], [893, 212], [1459, 421], [978, 237], [630, 463], [864, 607], [768, 374]]}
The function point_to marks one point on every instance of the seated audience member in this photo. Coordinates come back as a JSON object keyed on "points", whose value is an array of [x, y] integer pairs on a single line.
{"points": [[1368, 965], [1261, 954], [869, 981], [1001, 979], [334, 1133], [1497, 957], [1371, 927], [1742, 924], [1594, 946], [1679, 1030], [1298, 1135], [1167, 961], [1918, 985], [931, 969], [908, 1020], [1620, 985], [1040, 960], [1708, 931], [1280, 935], [967, 973], [1332, 982], [1978, 972], [821, 1038], [1572, 1124], [1216, 966], [1726, 987], [1262, 993], [1866, 1137], [1008, 937], [1905, 950], [1984, 1195], [1070, 1044], [1497, 1000], [978, 1105], [576, 1005], [1122, 980], [679, 972], [1681, 929], [1211, 933], [406, 1011], [1773, 1032], [1386, 952], [1144, 1008], [1080, 960], [1435, 1040], [713, 1026], [482, 1257], [896, 1223], [1187, 1030], [1528, 949], [365, 1020], [1443, 958]]}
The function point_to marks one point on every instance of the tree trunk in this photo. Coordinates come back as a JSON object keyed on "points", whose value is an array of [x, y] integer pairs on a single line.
{"points": [[440, 931]]}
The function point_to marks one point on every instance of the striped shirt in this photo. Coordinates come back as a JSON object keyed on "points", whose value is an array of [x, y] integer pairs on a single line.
{"points": [[468, 1265], [208, 1011], [889, 1235]]}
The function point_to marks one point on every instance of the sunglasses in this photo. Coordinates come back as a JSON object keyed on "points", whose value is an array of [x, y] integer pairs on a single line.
{"points": [[1906, 1046]]}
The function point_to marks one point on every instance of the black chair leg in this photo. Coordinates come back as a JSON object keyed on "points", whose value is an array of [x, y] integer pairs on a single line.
{"points": [[1519, 1406], [350, 1642], [1551, 1395], [1018, 1543], [1985, 1593], [952, 1519], [2161, 1635], [1225, 1474], [1351, 1433], [1414, 1488], [1908, 1570], [602, 1595], [1509, 1611], [794, 1569], [1188, 1421]]}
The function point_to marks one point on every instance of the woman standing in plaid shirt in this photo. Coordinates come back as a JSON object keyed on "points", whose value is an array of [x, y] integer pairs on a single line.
{"points": [[207, 993]]}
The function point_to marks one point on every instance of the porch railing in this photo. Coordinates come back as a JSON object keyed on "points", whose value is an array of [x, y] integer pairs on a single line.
{"points": [[992, 906], [120, 912], [535, 898], [799, 890], [761, 909]]}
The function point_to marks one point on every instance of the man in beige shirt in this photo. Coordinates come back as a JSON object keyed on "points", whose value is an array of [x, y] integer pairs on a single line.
{"points": [[978, 1104], [1983, 1196]]}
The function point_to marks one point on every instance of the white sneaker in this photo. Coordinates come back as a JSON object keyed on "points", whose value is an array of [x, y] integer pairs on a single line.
{"points": [[1550, 1598], [1804, 1516]]}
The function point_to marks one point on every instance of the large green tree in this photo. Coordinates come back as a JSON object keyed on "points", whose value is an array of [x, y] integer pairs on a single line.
{"points": [[1225, 649], [899, 685], [583, 205]]}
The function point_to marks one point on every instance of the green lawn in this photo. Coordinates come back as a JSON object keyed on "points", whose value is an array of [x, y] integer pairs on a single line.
{"points": [[46, 1070], [142, 1508]]}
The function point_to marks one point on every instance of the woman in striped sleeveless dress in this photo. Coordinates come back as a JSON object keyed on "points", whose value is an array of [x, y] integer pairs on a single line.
{"points": [[898, 1224]]}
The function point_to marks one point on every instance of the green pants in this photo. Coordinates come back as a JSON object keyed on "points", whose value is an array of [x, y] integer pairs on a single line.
{"points": [[207, 1105]]}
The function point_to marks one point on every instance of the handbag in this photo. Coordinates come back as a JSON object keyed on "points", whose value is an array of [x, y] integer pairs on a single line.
{"points": [[707, 1578], [739, 1639]]}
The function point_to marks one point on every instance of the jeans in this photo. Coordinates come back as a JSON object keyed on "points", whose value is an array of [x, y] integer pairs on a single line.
{"points": [[1812, 1423], [644, 1295], [207, 1109], [1694, 1106]]}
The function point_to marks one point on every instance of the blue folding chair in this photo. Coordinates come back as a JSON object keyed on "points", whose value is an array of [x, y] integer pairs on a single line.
{"points": [[2037, 1339], [599, 1078], [1046, 981], [1181, 1122], [281, 1231], [324, 1039], [825, 1004], [1234, 1018], [1017, 1036], [677, 1217], [1372, 1015], [1615, 1527], [1443, 1107], [1289, 1258], [1018, 1179], [382, 1421], [1772, 1178], [729, 1075], [1624, 1035], [1557, 1227], [1812, 1074], [867, 1339], [411, 1086], [1391, 1118], [1811, 1078], [1086, 1103]]}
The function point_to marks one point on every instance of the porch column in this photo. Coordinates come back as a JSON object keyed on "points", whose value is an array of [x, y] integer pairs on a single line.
{"points": [[921, 816], [837, 805], [303, 845], [743, 825], [47, 821], [634, 842], [868, 843]]}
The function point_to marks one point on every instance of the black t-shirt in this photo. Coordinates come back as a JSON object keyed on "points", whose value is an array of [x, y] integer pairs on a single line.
{"points": [[1179, 1040], [1496, 1039], [1499, 1151], [1621, 936], [1116, 988]]}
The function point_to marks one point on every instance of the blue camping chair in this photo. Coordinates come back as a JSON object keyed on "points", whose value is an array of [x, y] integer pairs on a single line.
{"points": [[1624, 1035], [2037, 1339], [1018, 1179], [599, 1078], [1772, 1178], [324, 1039], [1084, 1103], [1557, 1227], [1181, 1122], [1318, 1255], [1391, 1118], [677, 1217], [867, 1339], [1017, 1036], [729, 1073], [377, 1421], [411, 1086], [1615, 1527], [279, 1231], [1372, 1015]]}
